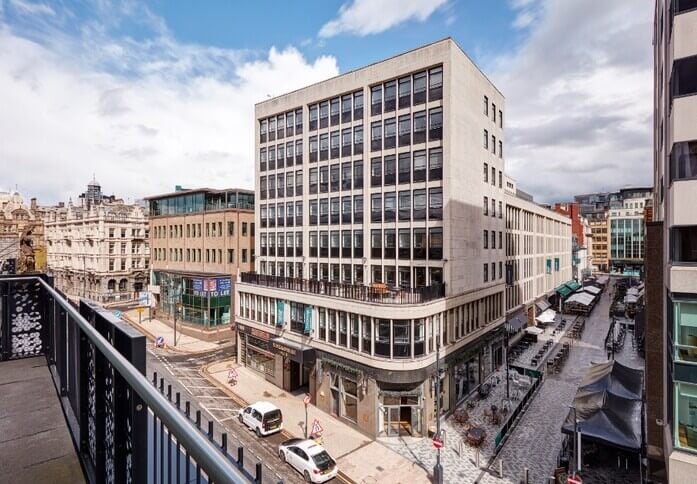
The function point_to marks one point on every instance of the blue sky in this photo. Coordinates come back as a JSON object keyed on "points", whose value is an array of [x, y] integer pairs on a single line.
{"points": [[146, 95]]}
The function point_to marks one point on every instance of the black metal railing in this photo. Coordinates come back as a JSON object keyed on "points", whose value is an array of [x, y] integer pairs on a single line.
{"points": [[376, 293], [113, 412]]}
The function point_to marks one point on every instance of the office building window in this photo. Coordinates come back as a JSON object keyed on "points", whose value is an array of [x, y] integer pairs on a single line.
{"points": [[419, 88], [390, 211], [390, 127], [404, 167], [376, 207], [376, 136], [435, 128], [404, 92], [420, 127], [435, 243], [376, 100], [376, 245], [419, 172], [435, 203], [404, 244], [435, 84], [405, 205], [435, 164]]}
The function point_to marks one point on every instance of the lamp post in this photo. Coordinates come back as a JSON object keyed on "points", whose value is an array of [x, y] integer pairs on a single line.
{"points": [[507, 326], [438, 468]]}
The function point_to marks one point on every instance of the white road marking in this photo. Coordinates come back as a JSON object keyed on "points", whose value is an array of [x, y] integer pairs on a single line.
{"points": [[210, 413]]}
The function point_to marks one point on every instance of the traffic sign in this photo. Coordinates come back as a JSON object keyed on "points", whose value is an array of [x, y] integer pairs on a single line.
{"points": [[232, 374], [437, 443], [316, 428], [117, 313], [160, 341], [574, 480], [140, 310], [306, 400]]}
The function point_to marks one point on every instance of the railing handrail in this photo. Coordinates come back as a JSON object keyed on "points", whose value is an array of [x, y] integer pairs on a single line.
{"points": [[217, 467]]}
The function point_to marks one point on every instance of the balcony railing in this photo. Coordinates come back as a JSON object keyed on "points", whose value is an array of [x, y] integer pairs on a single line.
{"points": [[375, 293], [125, 430]]}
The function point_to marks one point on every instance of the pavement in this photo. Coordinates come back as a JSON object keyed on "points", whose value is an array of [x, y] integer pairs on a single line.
{"points": [[360, 458], [152, 328]]}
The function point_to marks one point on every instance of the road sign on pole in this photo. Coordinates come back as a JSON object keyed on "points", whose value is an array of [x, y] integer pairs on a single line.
{"points": [[574, 480], [316, 428], [306, 400], [232, 374], [160, 341], [437, 443]]}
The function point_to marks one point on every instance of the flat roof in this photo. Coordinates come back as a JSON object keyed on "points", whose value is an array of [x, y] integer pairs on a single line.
{"points": [[367, 66], [189, 191]]}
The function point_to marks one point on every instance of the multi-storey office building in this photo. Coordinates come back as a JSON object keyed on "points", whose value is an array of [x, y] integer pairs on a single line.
{"points": [[599, 246], [538, 255], [671, 265], [98, 250], [371, 255], [199, 240], [626, 224]]}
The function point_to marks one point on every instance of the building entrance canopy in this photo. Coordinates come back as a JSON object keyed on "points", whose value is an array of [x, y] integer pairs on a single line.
{"points": [[297, 352]]}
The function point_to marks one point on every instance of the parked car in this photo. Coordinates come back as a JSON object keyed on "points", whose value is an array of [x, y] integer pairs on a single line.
{"points": [[308, 458], [263, 417]]}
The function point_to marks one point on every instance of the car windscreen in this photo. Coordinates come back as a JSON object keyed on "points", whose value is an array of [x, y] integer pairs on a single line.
{"points": [[272, 416], [323, 460]]}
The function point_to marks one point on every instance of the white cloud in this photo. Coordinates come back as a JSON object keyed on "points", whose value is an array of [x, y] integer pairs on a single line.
{"points": [[31, 8], [364, 17], [142, 116], [579, 98]]}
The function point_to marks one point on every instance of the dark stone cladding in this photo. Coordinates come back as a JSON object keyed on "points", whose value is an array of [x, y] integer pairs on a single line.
{"points": [[655, 337]]}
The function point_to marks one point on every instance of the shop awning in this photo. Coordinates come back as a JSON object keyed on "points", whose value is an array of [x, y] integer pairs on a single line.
{"points": [[592, 290], [543, 304], [547, 316], [517, 320], [297, 352], [573, 285], [582, 298], [534, 330], [563, 290]]}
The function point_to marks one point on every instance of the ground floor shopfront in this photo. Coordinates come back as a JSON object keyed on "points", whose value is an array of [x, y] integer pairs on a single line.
{"points": [[197, 298], [378, 402], [284, 363]]}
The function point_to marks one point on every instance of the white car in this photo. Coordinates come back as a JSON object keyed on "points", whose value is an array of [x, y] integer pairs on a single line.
{"points": [[308, 458], [263, 417]]}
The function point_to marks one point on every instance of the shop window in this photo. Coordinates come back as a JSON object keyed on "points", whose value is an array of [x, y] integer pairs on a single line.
{"points": [[382, 338], [686, 416], [401, 347], [366, 333]]}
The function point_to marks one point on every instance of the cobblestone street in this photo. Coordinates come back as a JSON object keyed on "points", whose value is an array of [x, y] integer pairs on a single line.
{"points": [[536, 441]]}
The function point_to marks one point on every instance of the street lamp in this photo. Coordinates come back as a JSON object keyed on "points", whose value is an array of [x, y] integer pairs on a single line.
{"points": [[507, 326], [438, 468]]}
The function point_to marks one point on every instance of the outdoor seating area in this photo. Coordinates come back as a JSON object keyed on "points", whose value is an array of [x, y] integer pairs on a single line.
{"points": [[555, 363], [532, 350], [576, 330]]}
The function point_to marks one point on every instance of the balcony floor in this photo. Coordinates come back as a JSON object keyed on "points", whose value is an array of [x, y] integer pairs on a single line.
{"points": [[35, 444]]}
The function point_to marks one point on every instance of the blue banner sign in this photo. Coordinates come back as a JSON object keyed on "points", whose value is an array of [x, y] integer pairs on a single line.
{"points": [[308, 320], [279, 313]]}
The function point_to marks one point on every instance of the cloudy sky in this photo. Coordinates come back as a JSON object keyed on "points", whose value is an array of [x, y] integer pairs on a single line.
{"points": [[147, 95]]}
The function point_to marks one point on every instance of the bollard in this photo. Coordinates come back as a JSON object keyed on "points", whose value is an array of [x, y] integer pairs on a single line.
{"points": [[210, 429], [258, 476], [154, 378], [177, 400], [223, 443], [169, 392], [240, 456], [187, 410], [501, 468], [526, 475], [198, 419]]}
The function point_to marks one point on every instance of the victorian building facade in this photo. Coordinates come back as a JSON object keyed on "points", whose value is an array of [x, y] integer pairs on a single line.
{"points": [[98, 249]]}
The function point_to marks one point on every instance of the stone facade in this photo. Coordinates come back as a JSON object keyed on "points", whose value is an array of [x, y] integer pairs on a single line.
{"points": [[98, 250], [15, 217]]}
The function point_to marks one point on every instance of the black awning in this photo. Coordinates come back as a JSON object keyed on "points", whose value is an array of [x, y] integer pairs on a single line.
{"points": [[518, 320], [296, 352], [543, 305]]}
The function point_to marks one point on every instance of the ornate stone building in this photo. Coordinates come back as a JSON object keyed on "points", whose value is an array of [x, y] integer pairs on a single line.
{"points": [[99, 248], [15, 217]]}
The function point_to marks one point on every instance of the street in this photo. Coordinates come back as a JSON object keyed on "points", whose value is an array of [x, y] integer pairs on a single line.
{"points": [[181, 371]]}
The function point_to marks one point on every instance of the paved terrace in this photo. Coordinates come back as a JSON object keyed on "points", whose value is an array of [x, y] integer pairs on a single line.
{"points": [[34, 439]]}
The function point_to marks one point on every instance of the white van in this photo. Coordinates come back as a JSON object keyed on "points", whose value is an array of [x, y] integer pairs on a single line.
{"points": [[263, 417]]}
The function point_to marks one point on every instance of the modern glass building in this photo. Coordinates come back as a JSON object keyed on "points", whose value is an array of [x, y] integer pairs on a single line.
{"points": [[199, 239]]}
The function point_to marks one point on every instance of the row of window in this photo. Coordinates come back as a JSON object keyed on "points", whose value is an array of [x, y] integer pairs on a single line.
{"points": [[405, 130], [212, 229], [389, 338], [493, 239], [493, 207], [281, 155], [493, 112], [493, 271], [338, 110], [288, 184], [286, 124], [404, 244], [493, 176], [214, 256], [493, 143], [405, 91]]}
